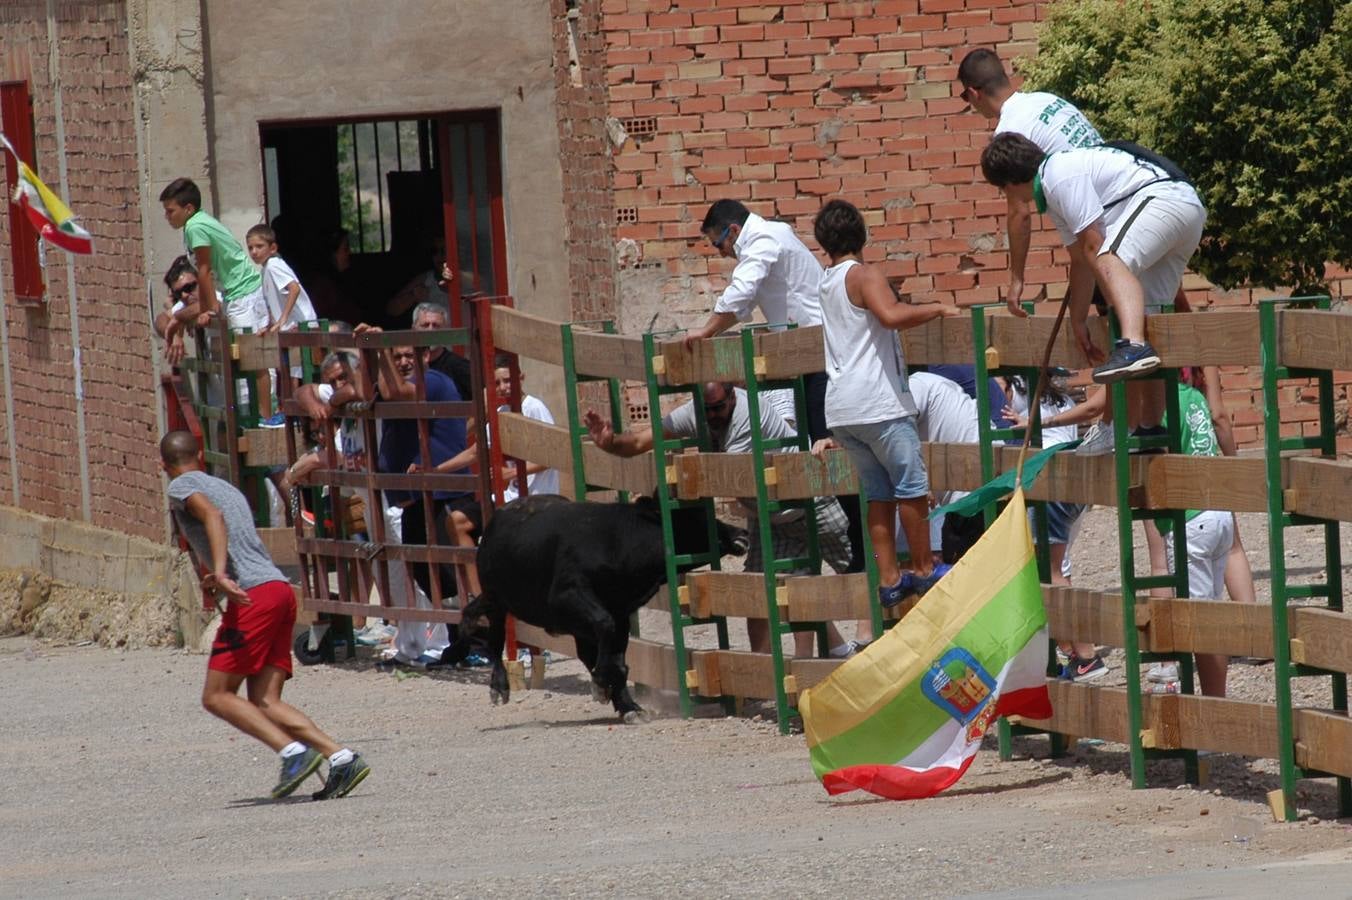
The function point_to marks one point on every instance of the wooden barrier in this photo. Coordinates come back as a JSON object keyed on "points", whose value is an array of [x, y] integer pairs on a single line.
{"points": [[1314, 339], [264, 446], [526, 335], [609, 356]]}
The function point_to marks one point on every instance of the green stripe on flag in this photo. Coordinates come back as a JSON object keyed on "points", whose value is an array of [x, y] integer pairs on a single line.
{"points": [[994, 635]]}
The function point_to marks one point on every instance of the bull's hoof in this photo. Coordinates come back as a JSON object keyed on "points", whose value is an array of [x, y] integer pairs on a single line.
{"points": [[635, 717], [600, 692], [499, 697]]}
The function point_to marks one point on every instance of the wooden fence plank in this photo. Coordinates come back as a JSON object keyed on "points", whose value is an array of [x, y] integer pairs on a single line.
{"points": [[785, 354], [1209, 626], [1082, 615], [634, 474], [799, 476], [947, 340], [1321, 488], [717, 359], [1320, 637], [827, 598], [1324, 741], [1223, 725], [739, 594], [1236, 483], [609, 355], [1314, 339], [281, 545], [254, 352], [535, 441], [1085, 711], [264, 447], [714, 475], [527, 335]]}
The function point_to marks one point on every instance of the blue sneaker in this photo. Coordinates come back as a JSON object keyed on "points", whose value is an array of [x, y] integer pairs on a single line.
{"points": [[295, 769], [923, 584], [477, 661], [342, 779], [1127, 360], [891, 596], [276, 420]]}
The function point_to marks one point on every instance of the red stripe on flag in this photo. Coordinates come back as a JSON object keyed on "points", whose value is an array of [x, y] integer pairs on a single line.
{"points": [[894, 782], [1032, 703], [69, 242]]}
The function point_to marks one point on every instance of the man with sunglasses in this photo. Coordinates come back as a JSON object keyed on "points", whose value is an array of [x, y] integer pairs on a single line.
{"points": [[180, 308], [776, 272], [1051, 122], [727, 413]]}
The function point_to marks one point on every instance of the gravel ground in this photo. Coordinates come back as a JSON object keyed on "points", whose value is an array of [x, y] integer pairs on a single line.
{"points": [[119, 785]]}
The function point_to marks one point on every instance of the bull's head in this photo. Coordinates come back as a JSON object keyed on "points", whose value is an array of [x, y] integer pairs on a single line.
{"points": [[690, 530]]}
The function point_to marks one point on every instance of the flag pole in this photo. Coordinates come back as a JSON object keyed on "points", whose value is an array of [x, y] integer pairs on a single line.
{"points": [[1035, 401]]}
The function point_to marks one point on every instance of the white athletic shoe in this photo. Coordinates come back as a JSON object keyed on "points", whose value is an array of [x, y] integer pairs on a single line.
{"points": [[1098, 440], [1162, 673]]}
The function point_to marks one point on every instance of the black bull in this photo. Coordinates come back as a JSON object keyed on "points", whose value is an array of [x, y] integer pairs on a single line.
{"points": [[580, 569]]}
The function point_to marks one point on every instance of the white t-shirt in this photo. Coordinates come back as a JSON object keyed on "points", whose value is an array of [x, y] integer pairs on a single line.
{"points": [[351, 438], [776, 272], [546, 482], [946, 416], [1082, 187], [1056, 434], [1047, 120], [277, 277]]}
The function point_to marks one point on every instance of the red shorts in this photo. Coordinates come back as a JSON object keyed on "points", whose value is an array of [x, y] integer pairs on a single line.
{"points": [[257, 635]]}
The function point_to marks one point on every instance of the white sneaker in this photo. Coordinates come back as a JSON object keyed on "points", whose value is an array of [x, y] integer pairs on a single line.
{"points": [[1162, 673], [1098, 440]]}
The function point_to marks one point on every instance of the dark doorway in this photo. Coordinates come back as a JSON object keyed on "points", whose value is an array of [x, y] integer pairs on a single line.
{"points": [[366, 209]]}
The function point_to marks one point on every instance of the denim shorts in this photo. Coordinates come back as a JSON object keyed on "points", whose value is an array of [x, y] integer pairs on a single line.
{"points": [[1061, 519], [887, 457]]}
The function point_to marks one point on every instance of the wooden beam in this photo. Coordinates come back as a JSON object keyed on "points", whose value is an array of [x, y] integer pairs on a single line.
{"points": [[1076, 614], [1321, 488], [535, 441], [714, 475], [635, 474], [1067, 477], [1208, 626], [735, 673], [786, 354], [947, 340], [653, 664], [1325, 637], [1085, 710], [827, 598], [527, 335], [1236, 483], [811, 672], [1221, 724], [740, 594], [254, 352], [1324, 741], [264, 447], [281, 545], [799, 476], [1221, 338], [1314, 339], [609, 356], [717, 359], [1021, 342]]}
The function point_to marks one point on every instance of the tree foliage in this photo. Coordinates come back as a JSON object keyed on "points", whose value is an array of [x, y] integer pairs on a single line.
{"points": [[1253, 98]]}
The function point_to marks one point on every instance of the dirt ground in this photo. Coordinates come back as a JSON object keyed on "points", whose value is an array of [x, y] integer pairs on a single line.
{"points": [[119, 785]]}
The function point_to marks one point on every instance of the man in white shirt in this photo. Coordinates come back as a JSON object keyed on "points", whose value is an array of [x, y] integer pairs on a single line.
{"points": [[778, 273], [1131, 224], [1051, 122]]}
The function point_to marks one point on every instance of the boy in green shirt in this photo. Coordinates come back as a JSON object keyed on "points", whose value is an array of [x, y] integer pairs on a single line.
{"points": [[224, 266]]}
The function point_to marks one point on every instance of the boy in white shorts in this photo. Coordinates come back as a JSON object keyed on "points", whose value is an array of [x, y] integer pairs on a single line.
{"points": [[287, 303], [1135, 225]]}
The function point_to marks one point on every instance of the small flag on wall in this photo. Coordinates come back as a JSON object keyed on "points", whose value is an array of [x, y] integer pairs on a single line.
{"points": [[45, 210]]}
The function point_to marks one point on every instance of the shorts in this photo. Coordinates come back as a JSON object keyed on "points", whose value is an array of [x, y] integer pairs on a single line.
{"points": [[1061, 519], [1155, 240], [1210, 536], [887, 457], [249, 311], [790, 539], [258, 635]]}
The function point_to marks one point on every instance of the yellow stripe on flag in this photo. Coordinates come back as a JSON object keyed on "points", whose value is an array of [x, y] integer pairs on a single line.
{"points": [[865, 684]]}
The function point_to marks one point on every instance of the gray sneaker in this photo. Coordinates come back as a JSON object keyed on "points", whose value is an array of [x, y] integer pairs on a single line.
{"points": [[342, 779], [1097, 441], [295, 769]]}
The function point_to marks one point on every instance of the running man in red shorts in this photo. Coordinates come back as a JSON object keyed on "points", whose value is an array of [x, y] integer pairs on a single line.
{"points": [[253, 645]]}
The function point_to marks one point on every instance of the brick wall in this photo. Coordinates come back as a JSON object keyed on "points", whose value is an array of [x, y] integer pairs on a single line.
{"points": [[120, 389], [584, 150], [784, 105]]}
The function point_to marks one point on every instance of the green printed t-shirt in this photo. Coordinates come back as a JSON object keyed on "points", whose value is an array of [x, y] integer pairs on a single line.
{"points": [[1197, 432], [233, 272]]}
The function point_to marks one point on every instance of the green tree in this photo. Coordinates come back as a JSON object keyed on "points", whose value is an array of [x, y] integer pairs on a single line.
{"points": [[1253, 98]]}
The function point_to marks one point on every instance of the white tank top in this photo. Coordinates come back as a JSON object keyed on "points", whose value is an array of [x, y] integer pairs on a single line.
{"points": [[863, 360]]}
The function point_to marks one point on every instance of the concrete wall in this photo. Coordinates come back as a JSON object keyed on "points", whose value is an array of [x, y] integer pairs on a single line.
{"points": [[69, 581], [282, 61]]}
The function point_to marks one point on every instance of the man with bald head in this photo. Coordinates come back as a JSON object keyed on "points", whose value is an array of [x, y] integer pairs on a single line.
{"points": [[253, 644]]}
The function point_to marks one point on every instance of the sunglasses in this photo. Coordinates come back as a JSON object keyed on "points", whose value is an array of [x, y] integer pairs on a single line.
{"points": [[180, 292], [715, 407], [721, 238]]}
